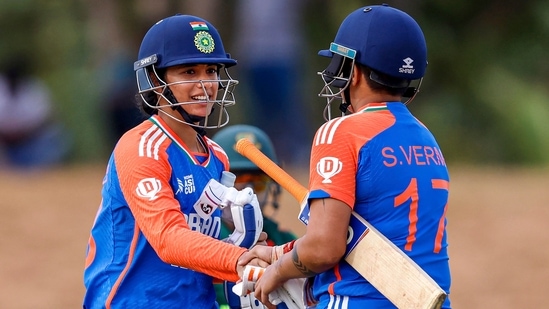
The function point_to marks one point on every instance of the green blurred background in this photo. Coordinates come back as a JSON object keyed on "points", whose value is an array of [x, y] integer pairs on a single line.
{"points": [[485, 94]]}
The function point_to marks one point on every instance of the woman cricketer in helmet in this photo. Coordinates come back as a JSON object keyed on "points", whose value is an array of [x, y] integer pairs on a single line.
{"points": [[155, 239], [377, 162], [249, 175]]}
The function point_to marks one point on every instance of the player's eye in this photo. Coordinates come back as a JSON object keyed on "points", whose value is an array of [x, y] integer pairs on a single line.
{"points": [[212, 71]]}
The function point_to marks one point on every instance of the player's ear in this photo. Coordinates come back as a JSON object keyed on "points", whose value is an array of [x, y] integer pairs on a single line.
{"points": [[357, 75]]}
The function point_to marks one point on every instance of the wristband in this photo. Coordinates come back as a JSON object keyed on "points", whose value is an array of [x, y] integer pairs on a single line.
{"points": [[278, 251]]}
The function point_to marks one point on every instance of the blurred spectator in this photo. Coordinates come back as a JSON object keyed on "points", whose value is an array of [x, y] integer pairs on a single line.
{"points": [[30, 136], [269, 41]]}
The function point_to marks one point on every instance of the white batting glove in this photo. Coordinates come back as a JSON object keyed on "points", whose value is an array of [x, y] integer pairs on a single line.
{"points": [[290, 293], [245, 211], [247, 219], [234, 301], [213, 196]]}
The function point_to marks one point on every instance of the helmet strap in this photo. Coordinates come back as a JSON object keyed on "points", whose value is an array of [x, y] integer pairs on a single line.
{"points": [[186, 116], [346, 102], [410, 92]]}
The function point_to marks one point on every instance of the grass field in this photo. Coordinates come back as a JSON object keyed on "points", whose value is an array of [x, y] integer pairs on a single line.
{"points": [[497, 235]]}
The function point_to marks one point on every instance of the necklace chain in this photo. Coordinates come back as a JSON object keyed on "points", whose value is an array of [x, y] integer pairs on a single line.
{"points": [[201, 147]]}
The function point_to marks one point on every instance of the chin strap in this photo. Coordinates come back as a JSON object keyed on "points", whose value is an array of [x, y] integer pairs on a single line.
{"points": [[346, 102], [186, 116]]}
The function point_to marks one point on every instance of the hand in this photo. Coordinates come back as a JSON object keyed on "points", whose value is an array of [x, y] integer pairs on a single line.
{"points": [[290, 293], [262, 240], [265, 289], [256, 256], [234, 301]]}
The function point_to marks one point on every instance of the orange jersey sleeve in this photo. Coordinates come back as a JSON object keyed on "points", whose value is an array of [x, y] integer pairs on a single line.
{"points": [[144, 171]]}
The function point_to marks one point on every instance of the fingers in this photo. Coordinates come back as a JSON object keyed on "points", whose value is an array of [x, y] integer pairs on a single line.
{"points": [[261, 253], [253, 262], [258, 262], [263, 297], [262, 240]]}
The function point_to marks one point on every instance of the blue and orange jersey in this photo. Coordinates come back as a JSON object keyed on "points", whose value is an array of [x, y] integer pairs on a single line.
{"points": [[149, 248], [388, 167]]}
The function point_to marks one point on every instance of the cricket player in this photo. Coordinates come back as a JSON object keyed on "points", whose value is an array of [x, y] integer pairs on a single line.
{"points": [[267, 191], [155, 239], [377, 160]]}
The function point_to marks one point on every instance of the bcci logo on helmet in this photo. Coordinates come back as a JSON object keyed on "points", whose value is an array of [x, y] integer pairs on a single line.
{"points": [[204, 42]]}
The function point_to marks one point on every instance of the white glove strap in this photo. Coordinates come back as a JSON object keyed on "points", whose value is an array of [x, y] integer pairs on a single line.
{"points": [[250, 275]]}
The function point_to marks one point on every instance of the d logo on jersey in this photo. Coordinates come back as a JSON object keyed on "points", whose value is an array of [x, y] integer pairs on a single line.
{"points": [[148, 188], [327, 167]]}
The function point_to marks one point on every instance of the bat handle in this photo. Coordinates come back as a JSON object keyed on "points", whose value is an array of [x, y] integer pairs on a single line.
{"points": [[250, 151]]}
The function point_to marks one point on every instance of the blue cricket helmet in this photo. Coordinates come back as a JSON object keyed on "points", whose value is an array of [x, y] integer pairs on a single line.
{"points": [[182, 39], [384, 39]]}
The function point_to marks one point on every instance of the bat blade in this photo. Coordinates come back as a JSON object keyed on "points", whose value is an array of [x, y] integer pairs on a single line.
{"points": [[369, 252], [390, 270]]}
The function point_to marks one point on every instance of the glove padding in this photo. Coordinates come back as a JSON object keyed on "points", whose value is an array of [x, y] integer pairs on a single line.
{"points": [[244, 235], [290, 293], [244, 208], [247, 219], [213, 196]]}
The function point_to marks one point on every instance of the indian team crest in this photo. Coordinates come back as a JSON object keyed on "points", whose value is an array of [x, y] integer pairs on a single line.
{"points": [[204, 42]]}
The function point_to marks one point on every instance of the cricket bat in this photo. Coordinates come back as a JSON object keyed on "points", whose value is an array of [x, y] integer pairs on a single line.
{"points": [[369, 252]]}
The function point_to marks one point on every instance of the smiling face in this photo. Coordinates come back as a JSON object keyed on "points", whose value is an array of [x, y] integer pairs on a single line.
{"points": [[195, 85]]}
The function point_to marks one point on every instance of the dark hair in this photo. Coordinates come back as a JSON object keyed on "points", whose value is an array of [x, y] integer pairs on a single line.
{"points": [[381, 82], [148, 96]]}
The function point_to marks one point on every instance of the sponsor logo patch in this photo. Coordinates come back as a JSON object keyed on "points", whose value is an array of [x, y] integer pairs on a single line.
{"points": [[328, 167], [148, 188], [407, 67]]}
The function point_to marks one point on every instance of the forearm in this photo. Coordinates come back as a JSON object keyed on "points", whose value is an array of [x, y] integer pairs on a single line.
{"points": [[301, 262], [204, 254]]}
